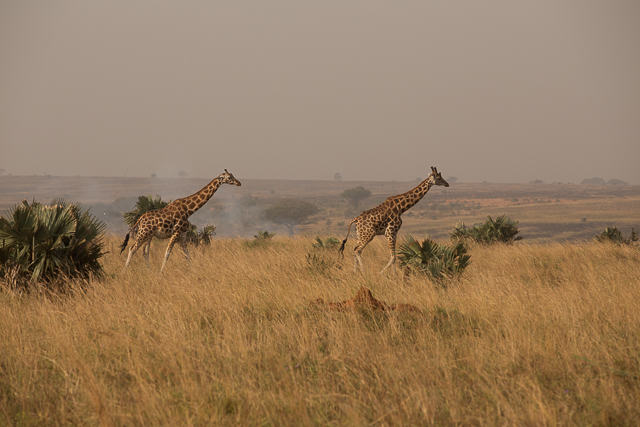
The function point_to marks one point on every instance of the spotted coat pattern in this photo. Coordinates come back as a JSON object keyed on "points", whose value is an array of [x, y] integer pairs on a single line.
{"points": [[386, 218], [172, 221]]}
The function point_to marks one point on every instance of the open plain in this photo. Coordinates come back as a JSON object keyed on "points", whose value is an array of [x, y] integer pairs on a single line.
{"points": [[542, 332]]}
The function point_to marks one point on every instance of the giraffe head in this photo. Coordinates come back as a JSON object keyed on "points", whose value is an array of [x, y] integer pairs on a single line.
{"points": [[436, 178], [227, 178]]}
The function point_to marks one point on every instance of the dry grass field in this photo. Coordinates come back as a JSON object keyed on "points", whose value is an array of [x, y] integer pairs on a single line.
{"points": [[530, 335]]}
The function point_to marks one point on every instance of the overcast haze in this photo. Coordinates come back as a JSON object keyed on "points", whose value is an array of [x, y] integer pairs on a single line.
{"points": [[498, 91]]}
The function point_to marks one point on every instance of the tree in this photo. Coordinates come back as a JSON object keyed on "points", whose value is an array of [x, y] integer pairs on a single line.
{"points": [[452, 179], [355, 195], [337, 176], [247, 202], [182, 174], [593, 181], [154, 175], [289, 212], [1, 171]]}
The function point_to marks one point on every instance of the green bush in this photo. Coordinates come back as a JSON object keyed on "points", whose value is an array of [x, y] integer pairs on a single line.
{"points": [[502, 230], [42, 243], [613, 235], [434, 259]]}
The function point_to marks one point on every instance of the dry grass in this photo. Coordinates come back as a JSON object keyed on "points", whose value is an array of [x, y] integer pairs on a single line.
{"points": [[532, 335]]}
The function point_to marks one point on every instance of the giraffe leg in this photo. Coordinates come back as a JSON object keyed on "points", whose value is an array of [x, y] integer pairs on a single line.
{"points": [[140, 242], [363, 240], [392, 233], [392, 250], [357, 262], [172, 241], [185, 248], [145, 252]]}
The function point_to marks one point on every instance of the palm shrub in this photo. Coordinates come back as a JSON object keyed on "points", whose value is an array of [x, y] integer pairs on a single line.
{"points": [[143, 205], [502, 230], [41, 243], [202, 236], [433, 259], [613, 235]]}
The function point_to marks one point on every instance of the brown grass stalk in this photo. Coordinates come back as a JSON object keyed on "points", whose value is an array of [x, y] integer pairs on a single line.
{"points": [[530, 335]]}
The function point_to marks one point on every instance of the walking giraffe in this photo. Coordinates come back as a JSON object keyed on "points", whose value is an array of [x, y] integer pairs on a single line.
{"points": [[171, 222], [386, 218]]}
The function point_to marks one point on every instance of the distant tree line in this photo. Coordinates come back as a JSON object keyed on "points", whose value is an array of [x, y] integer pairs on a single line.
{"points": [[600, 181]]}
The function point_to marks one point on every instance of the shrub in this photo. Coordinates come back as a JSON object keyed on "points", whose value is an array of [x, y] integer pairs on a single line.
{"points": [[613, 235], [502, 230], [202, 236], [42, 243], [264, 235], [431, 258], [260, 240], [319, 264], [328, 243]]}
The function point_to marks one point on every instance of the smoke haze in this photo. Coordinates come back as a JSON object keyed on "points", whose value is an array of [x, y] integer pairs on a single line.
{"points": [[497, 91]]}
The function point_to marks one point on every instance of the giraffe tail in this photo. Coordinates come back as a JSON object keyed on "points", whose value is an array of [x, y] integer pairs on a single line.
{"points": [[123, 246], [344, 242]]}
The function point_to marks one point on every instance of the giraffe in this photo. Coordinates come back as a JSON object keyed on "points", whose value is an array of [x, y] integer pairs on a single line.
{"points": [[386, 219], [171, 222]]}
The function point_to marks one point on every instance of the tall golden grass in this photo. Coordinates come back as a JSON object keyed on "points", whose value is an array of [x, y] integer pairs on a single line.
{"points": [[530, 335]]}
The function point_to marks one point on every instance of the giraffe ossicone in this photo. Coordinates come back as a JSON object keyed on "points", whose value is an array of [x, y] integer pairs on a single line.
{"points": [[172, 221], [385, 219]]}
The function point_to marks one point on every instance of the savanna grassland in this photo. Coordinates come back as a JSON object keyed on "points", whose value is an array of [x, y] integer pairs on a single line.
{"points": [[530, 335]]}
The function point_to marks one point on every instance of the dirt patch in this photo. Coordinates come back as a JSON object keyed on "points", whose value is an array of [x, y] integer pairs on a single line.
{"points": [[364, 299]]}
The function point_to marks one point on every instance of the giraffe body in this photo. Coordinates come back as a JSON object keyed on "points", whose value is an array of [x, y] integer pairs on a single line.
{"points": [[386, 219], [171, 222]]}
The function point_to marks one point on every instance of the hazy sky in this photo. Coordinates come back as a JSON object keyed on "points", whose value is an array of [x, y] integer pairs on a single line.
{"points": [[498, 91]]}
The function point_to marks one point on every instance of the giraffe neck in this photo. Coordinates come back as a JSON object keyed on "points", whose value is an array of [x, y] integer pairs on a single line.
{"points": [[197, 200], [406, 201]]}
